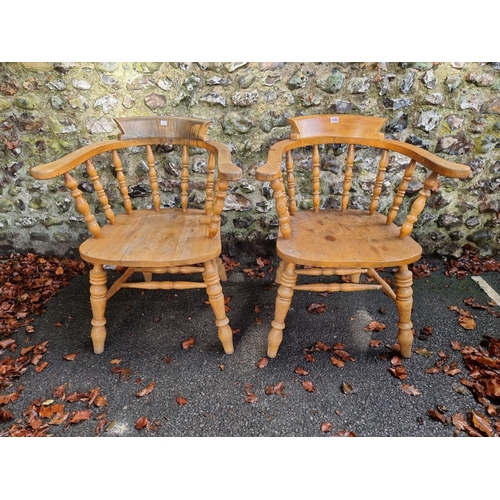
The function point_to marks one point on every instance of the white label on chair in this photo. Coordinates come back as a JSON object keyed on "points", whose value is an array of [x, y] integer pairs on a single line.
{"points": [[334, 119], [163, 123]]}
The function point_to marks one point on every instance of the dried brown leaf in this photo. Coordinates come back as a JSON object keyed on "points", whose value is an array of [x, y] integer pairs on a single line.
{"points": [[375, 326], [79, 416], [309, 357], [410, 389], [187, 344], [301, 371], [399, 372], [141, 423], [437, 415], [251, 397], [309, 386], [481, 423], [423, 351], [275, 389], [262, 363], [433, 369], [316, 307], [59, 418], [5, 415], [39, 368], [181, 400], [101, 401], [146, 390], [326, 427], [337, 362], [344, 433]]}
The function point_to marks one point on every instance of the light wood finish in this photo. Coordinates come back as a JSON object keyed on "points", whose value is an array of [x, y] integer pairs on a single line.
{"points": [[347, 241], [157, 241]]}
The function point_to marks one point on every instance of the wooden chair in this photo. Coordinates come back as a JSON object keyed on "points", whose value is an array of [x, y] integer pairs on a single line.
{"points": [[153, 239], [347, 240]]}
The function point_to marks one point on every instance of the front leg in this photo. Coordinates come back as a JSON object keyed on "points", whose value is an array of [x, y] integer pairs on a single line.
{"points": [[216, 299], [288, 278]]}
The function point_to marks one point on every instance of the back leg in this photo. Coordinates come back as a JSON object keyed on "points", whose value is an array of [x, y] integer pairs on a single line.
{"points": [[98, 291], [404, 303]]}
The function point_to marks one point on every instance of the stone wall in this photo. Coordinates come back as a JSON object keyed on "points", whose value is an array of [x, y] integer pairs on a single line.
{"points": [[49, 109]]}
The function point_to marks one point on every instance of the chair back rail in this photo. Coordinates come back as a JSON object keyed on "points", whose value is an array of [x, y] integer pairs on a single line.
{"points": [[354, 132], [147, 133]]}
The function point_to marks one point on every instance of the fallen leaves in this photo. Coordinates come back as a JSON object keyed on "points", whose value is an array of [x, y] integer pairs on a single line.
{"points": [[375, 326], [410, 389], [338, 355], [144, 423], [250, 396], [484, 366], [326, 427], [481, 423], [27, 282], [79, 416], [465, 318], [309, 386], [470, 263], [11, 368], [422, 269], [483, 381], [262, 363], [146, 390], [316, 308], [471, 302], [189, 343], [397, 369], [276, 389], [264, 267], [344, 433], [41, 414], [181, 400]]}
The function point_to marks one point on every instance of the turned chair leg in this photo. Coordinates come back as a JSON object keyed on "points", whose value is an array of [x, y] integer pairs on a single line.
{"points": [[279, 271], [404, 303], [216, 299], [287, 280], [98, 291], [222, 270]]}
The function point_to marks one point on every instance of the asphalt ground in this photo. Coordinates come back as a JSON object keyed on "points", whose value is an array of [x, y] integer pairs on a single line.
{"points": [[202, 392]]}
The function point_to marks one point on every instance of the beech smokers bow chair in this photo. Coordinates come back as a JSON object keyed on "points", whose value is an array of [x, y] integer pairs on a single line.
{"points": [[343, 236], [154, 239]]}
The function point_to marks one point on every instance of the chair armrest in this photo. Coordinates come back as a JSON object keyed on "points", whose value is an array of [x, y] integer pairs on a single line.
{"points": [[429, 160], [226, 168], [271, 170], [81, 155]]}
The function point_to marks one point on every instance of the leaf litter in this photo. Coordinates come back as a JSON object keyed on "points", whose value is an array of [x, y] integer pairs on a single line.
{"points": [[482, 381]]}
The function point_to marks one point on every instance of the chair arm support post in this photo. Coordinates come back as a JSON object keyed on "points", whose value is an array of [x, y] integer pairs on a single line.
{"points": [[419, 204], [281, 207], [218, 206], [82, 205]]}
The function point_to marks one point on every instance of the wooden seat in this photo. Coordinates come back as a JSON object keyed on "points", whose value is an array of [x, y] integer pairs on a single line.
{"points": [[337, 235], [150, 235]]}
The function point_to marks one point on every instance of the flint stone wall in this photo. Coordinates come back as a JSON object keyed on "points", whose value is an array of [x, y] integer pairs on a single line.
{"points": [[453, 109]]}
